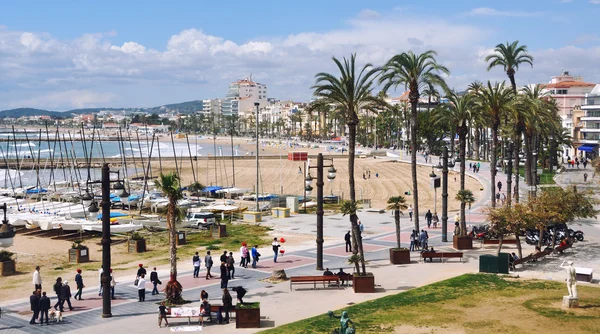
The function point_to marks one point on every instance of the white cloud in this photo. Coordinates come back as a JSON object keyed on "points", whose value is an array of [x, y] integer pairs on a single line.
{"points": [[587, 38], [368, 14], [595, 2], [486, 11], [70, 98]]}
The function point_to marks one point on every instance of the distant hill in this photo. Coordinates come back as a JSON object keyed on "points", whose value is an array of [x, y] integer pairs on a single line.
{"points": [[183, 107]]}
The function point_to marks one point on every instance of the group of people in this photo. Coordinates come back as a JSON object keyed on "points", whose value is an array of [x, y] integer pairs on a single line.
{"points": [[341, 274], [572, 162], [418, 240], [474, 166]]}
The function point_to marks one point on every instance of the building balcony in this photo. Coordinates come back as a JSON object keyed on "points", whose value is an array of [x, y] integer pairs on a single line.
{"points": [[590, 118], [590, 130]]}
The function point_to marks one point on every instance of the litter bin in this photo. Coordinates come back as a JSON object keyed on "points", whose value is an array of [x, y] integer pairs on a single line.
{"points": [[488, 264], [503, 263], [180, 238]]}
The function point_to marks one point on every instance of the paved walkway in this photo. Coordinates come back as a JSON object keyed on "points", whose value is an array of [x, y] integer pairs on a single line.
{"points": [[279, 305]]}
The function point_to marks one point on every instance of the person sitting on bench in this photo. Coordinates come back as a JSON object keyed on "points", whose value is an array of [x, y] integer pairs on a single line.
{"points": [[341, 274], [327, 272], [204, 311], [431, 250]]}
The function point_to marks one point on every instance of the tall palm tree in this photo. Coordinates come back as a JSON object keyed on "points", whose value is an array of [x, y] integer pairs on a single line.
{"points": [[350, 93], [415, 73], [169, 184], [494, 101], [509, 57], [430, 92], [460, 109], [397, 204]]}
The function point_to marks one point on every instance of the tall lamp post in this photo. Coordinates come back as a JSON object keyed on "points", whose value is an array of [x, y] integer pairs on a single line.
{"points": [[330, 176], [256, 104], [445, 196], [435, 183], [105, 277], [509, 154]]}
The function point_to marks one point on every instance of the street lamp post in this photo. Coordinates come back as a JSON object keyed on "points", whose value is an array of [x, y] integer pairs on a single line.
{"points": [[509, 153], [256, 104], [320, 183], [445, 196]]}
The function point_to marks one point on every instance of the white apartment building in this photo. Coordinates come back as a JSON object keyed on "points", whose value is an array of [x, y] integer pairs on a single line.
{"points": [[589, 124], [241, 97], [211, 106]]}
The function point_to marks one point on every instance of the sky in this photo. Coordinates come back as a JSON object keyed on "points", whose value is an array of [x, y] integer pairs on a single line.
{"points": [[61, 55]]}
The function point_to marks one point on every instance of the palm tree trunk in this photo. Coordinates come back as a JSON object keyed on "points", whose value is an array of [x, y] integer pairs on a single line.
{"points": [[476, 140], [358, 247], [493, 159], [413, 161], [529, 159], [516, 168], [397, 220]]}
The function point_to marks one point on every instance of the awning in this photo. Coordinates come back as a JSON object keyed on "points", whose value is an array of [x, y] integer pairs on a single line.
{"points": [[587, 147]]}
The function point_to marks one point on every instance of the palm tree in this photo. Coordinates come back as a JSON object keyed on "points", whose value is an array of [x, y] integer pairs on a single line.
{"points": [[494, 101], [349, 93], [474, 89], [464, 196], [430, 92], [397, 203], [461, 112], [509, 57], [414, 72], [169, 184]]}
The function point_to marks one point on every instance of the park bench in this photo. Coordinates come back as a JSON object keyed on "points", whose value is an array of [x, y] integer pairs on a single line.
{"points": [[183, 312], [346, 278], [441, 255], [314, 280]]}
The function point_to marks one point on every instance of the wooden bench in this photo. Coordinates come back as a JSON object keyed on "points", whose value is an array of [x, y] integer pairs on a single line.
{"points": [[441, 255], [346, 278], [186, 312], [313, 280]]}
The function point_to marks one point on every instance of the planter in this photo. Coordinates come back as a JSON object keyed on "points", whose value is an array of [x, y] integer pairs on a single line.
{"points": [[136, 246], [7, 268], [247, 315], [218, 231], [79, 255], [363, 284], [462, 242], [181, 238], [399, 256]]}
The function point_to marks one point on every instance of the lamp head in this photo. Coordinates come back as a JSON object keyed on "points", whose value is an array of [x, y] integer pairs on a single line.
{"points": [[331, 173]]}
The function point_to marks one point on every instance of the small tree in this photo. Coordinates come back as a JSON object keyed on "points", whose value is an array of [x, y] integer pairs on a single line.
{"points": [[397, 203], [465, 197]]}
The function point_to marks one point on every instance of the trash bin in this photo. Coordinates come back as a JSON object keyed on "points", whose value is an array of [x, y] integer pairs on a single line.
{"points": [[180, 238], [488, 264], [503, 263]]}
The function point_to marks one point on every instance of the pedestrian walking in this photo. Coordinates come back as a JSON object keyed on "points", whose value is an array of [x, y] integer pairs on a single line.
{"points": [[57, 289], [503, 198], [79, 284], [348, 239], [155, 281], [361, 227], [44, 307], [423, 239], [585, 162], [224, 276], [499, 185], [34, 303], [412, 241], [100, 271], [428, 218], [230, 266], [255, 256], [276, 246], [585, 176], [244, 255], [223, 257], [141, 270], [227, 303], [208, 262], [196, 264], [436, 220], [37, 279], [65, 295], [410, 211], [162, 314], [113, 284], [141, 286]]}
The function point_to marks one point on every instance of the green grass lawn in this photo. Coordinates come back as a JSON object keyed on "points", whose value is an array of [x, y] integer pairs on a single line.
{"points": [[472, 303], [545, 178]]}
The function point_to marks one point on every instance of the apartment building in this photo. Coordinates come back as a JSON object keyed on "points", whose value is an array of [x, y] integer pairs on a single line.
{"points": [[242, 95]]}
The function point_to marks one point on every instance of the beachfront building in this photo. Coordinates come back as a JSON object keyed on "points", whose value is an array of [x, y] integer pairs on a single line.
{"points": [[570, 93], [241, 97], [587, 125], [211, 106]]}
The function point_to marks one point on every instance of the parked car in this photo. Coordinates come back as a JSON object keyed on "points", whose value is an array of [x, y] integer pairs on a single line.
{"points": [[201, 220]]}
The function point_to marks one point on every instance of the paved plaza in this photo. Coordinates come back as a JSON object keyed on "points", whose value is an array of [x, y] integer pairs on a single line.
{"points": [[279, 305]]}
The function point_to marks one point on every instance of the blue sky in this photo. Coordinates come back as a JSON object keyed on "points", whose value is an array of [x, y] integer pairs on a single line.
{"points": [[73, 54]]}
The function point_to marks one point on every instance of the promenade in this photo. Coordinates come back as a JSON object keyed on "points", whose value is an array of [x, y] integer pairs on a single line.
{"points": [[279, 305]]}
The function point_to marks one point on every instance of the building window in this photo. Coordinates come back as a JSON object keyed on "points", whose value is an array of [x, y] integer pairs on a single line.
{"points": [[561, 92]]}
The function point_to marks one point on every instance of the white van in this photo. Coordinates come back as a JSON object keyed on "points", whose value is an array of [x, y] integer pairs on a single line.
{"points": [[201, 220]]}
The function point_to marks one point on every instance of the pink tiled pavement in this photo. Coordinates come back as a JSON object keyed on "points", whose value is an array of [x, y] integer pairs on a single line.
{"points": [[341, 250], [283, 262]]}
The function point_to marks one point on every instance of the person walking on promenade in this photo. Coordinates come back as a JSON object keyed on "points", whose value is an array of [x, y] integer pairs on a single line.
{"points": [[230, 266], [79, 284], [162, 314], [141, 271], [196, 264], [244, 255], [428, 218], [224, 277], [412, 241], [37, 279], [65, 295], [276, 246], [34, 302], [208, 262], [348, 239], [142, 288], [499, 186], [255, 256], [57, 289], [223, 257], [410, 211], [113, 283], [100, 271], [44, 307], [155, 281]]}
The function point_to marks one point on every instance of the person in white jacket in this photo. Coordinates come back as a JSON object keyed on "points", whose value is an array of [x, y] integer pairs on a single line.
{"points": [[37, 279], [142, 288]]}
